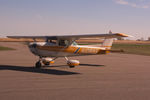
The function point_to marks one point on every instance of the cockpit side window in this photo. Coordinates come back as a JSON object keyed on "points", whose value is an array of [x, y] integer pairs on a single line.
{"points": [[64, 42]]}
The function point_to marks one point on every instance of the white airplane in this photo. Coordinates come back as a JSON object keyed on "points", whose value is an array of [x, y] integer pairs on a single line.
{"points": [[65, 46]]}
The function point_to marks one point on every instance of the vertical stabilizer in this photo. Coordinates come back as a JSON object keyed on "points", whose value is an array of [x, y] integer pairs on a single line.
{"points": [[107, 43]]}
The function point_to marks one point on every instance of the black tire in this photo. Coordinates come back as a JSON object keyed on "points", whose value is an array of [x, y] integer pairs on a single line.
{"points": [[38, 64], [71, 66], [47, 64]]}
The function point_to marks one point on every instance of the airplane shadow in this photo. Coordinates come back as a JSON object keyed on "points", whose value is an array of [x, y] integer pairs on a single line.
{"points": [[92, 65], [36, 70]]}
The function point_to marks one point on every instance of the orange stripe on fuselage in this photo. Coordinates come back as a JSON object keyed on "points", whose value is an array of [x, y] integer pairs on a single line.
{"points": [[72, 49]]}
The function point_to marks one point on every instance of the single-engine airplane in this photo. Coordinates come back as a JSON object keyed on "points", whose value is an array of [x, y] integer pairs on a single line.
{"points": [[65, 46]]}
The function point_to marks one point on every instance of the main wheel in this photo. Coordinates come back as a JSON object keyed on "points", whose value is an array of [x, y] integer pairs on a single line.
{"points": [[71, 66], [47, 64], [38, 64]]}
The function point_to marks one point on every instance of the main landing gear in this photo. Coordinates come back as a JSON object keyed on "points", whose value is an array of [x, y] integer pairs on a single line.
{"points": [[48, 61], [72, 63]]}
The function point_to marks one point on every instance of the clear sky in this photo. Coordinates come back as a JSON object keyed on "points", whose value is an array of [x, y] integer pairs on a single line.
{"points": [[54, 17]]}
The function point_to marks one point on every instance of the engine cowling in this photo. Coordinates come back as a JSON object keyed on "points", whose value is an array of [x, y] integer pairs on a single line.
{"points": [[47, 61], [73, 63]]}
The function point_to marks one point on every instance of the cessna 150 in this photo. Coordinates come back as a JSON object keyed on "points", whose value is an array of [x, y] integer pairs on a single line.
{"points": [[65, 46]]}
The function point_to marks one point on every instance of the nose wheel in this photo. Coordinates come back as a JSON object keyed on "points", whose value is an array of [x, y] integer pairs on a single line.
{"points": [[71, 66], [44, 61], [38, 64]]}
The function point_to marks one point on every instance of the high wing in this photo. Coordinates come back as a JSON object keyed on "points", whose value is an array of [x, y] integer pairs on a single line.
{"points": [[75, 37]]}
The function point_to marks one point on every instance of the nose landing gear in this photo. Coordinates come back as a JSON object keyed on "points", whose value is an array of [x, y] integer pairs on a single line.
{"points": [[38, 64], [44, 61]]}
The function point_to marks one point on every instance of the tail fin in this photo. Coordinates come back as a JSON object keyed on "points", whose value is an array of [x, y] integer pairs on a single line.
{"points": [[107, 43]]}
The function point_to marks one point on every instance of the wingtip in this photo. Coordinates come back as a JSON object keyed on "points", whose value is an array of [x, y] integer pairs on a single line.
{"points": [[123, 35]]}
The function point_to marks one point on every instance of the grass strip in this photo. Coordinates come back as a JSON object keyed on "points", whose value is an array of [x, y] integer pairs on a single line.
{"points": [[5, 48], [141, 49]]}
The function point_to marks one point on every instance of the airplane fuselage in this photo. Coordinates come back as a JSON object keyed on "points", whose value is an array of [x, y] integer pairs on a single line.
{"points": [[46, 49]]}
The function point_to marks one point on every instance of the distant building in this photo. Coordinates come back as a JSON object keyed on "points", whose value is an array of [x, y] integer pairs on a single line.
{"points": [[141, 39], [120, 38], [148, 39]]}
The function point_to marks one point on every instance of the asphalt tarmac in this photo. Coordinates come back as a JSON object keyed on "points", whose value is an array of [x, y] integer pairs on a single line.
{"points": [[99, 77]]}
